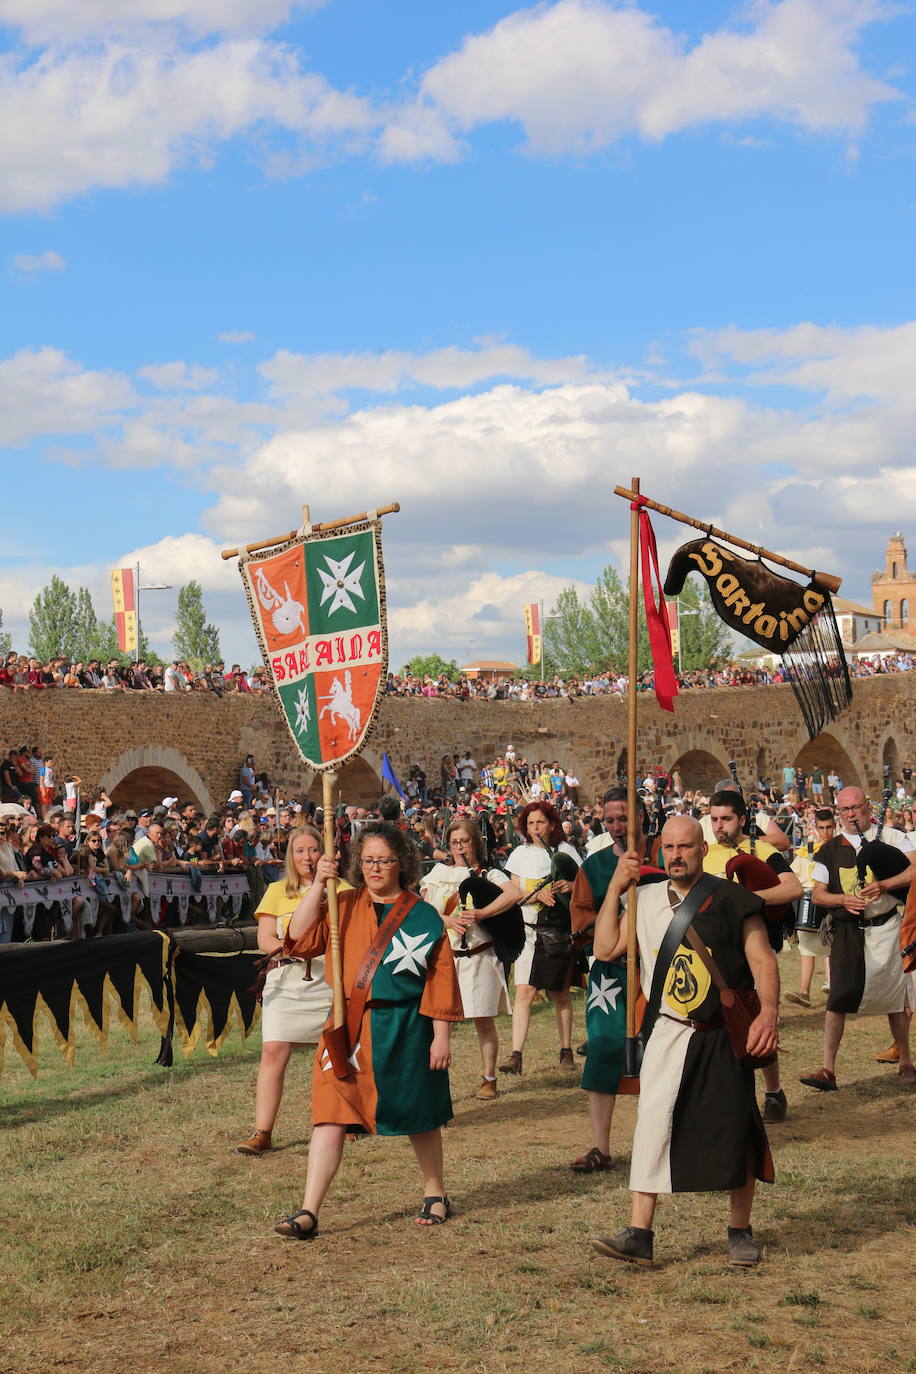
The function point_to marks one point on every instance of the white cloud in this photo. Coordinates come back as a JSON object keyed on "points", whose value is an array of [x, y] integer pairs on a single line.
{"points": [[236, 336], [43, 392], [63, 21], [118, 116], [30, 264], [295, 374], [843, 363], [581, 74]]}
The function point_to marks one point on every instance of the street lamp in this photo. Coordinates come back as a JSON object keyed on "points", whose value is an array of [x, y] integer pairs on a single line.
{"points": [[150, 587]]}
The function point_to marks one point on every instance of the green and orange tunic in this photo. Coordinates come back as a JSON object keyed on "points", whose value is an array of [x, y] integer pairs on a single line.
{"points": [[391, 1090]]}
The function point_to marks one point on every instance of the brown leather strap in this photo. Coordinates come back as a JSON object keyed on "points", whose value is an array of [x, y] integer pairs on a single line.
{"points": [[356, 1002], [706, 959]]}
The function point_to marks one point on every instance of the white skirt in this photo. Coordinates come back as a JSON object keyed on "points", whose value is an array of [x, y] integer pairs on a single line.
{"points": [[885, 985], [482, 984], [524, 961], [293, 1010]]}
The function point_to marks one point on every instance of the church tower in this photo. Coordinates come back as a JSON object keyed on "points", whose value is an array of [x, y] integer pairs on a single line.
{"points": [[894, 589]]}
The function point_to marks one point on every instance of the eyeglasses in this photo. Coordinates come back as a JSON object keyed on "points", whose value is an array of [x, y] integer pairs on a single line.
{"points": [[377, 863], [856, 806]]}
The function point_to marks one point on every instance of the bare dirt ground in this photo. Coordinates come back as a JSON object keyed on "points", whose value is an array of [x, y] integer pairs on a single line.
{"points": [[136, 1238]]}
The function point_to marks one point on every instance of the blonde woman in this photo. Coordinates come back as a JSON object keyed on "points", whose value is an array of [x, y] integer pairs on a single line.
{"points": [[296, 999]]}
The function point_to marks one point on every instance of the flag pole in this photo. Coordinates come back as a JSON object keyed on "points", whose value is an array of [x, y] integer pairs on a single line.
{"points": [[338, 1005], [541, 635], [630, 1067]]}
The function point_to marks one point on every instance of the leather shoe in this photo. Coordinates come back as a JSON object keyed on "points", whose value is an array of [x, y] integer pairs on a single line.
{"points": [[822, 1079], [891, 1056], [257, 1144], [632, 1244], [488, 1090]]}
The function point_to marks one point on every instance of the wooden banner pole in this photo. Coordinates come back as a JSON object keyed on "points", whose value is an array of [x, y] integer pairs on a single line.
{"points": [[828, 580], [391, 509], [339, 1005], [630, 1067]]}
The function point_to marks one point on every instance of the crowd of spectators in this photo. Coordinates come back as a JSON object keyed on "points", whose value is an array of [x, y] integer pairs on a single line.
{"points": [[23, 674], [49, 831], [614, 682]]}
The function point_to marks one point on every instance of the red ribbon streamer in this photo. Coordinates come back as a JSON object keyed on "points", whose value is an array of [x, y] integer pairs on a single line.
{"points": [[656, 614]]}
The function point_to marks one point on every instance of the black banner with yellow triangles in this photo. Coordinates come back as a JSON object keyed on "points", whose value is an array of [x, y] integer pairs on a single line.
{"points": [[193, 993]]}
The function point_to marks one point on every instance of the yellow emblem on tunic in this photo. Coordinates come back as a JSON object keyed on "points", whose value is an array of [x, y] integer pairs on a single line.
{"points": [[687, 983]]}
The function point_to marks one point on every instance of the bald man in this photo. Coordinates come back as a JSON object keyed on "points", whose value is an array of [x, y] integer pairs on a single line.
{"points": [[866, 974], [698, 1126]]}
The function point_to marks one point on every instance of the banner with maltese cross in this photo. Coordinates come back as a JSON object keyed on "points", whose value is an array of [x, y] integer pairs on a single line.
{"points": [[318, 607]]}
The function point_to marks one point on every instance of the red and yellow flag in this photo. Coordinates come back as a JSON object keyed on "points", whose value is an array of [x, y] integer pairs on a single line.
{"points": [[533, 631], [123, 594]]}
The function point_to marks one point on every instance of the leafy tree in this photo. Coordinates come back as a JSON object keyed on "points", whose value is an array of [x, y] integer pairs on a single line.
{"points": [[6, 642], [53, 621], [432, 665], [196, 642], [586, 636], [705, 639], [83, 647]]}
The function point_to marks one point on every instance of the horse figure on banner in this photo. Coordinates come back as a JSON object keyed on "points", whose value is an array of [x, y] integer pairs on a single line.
{"points": [[341, 706]]}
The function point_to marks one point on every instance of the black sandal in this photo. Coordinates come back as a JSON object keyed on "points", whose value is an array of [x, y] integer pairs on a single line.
{"points": [[427, 1217], [294, 1230]]}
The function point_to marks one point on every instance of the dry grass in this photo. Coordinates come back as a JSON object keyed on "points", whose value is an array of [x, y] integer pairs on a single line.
{"points": [[136, 1238]]}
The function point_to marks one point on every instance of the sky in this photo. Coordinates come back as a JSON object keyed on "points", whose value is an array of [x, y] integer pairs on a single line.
{"points": [[484, 260]]}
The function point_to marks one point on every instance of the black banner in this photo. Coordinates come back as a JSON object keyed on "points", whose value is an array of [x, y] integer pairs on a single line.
{"points": [[197, 993], [752, 599]]}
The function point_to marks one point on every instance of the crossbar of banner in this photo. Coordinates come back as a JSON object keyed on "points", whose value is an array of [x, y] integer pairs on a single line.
{"points": [[828, 580], [316, 529]]}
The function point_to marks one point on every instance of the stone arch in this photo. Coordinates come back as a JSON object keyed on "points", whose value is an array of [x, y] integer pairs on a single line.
{"points": [[826, 751], [143, 776], [890, 759], [887, 612], [700, 770], [905, 611], [358, 783]]}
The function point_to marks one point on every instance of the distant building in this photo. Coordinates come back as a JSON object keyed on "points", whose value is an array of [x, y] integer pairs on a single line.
{"points": [[894, 589], [485, 669], [854, 621]]}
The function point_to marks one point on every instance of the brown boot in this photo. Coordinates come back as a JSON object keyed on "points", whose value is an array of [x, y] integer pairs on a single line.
{"points": [[513, 1064], [488, 1090], [257, 1144], [891, 1056], [566, 1060]]}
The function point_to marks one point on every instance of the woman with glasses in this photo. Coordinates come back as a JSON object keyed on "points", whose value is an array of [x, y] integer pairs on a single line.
{"points": [[400, 1050], [481, 977], [92, 864]]}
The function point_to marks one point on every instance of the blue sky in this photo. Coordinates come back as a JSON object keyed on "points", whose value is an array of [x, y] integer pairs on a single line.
{"points": [[483, 259]]}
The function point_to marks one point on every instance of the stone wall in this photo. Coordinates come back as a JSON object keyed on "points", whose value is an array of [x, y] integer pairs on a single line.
{"points": [[144, 747]]}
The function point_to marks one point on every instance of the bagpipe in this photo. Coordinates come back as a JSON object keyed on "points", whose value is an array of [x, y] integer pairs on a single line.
{"points": [[554, 926], [876, 860], [754, 873], [506, 929]]}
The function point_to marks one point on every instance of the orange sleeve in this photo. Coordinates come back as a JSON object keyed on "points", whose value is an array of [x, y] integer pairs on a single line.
{"points": [[908, 929], [581, 906], [441, 999], [311, 944]]}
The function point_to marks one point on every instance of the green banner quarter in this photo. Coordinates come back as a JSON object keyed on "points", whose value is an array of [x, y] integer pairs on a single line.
{"points": [[318, 608]]}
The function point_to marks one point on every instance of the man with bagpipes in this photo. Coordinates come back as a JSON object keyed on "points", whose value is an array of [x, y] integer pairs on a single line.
{"points": [[755, 864], [712, 988], [605, 999], [861, 877]]}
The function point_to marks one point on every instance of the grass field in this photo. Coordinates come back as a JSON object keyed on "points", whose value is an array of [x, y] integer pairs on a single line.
{"points": [[136, 1238]]}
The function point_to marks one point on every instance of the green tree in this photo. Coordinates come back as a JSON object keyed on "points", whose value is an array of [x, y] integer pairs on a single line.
{"points": [[86, 629], [582, 636], [53, 621], [705, 639], [432, 665], [196, 642], [6, 642]]}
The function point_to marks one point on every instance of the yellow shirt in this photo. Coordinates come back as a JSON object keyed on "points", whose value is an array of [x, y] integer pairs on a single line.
{"points": [[718, 855], [275, 902]]}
